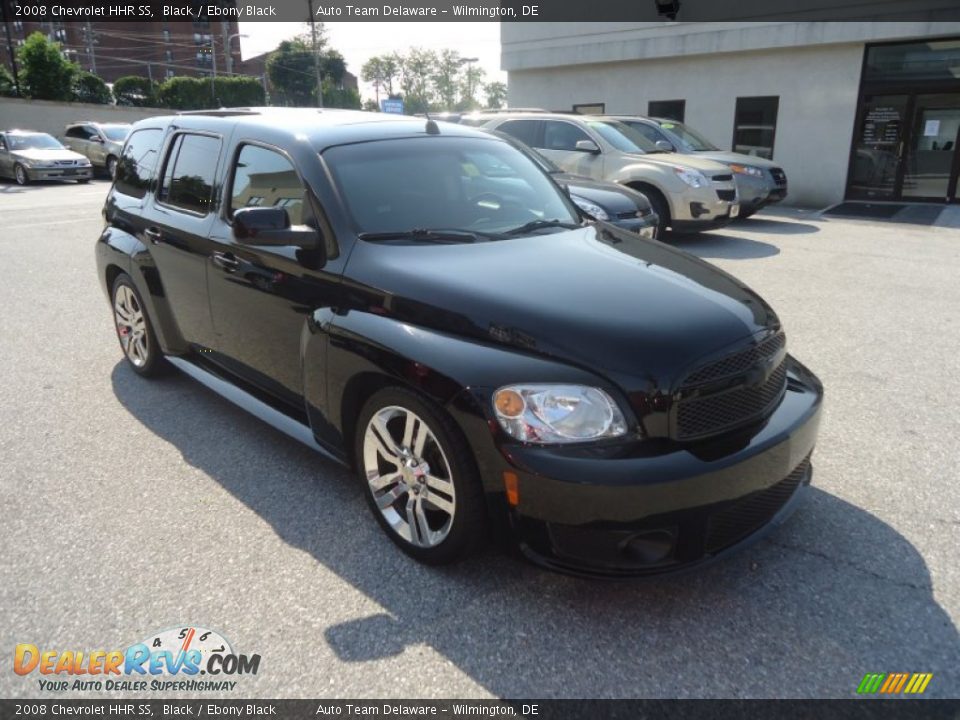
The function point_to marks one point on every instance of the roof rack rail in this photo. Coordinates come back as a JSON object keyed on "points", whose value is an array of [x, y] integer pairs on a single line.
{"points": [[222, 112]]}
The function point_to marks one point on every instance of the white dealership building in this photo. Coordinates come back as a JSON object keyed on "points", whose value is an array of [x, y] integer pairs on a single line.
{"points": [[851, 110]]}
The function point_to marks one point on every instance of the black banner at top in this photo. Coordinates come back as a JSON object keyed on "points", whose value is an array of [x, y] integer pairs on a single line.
{"points": [[481, 10]]}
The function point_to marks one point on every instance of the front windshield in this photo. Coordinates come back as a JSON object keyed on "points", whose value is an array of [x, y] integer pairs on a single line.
{"points": [[34, 141], [622, 137], [117, 133], [454, 183], [687, 136]]}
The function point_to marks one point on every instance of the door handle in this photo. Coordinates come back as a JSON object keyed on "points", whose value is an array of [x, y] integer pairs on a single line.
{"points": [[154, 234], [225, 260]]}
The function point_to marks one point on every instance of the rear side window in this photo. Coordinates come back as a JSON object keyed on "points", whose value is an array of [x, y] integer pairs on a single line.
{"points": [[189, 172], [523, 130], [138, 162], [264, 178], [80, 131]]}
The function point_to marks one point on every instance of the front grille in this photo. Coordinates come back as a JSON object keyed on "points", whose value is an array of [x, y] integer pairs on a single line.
{"points": [[722, 178], [779, 176], [713, 414], [65, 163], [750, 513], [737, 362], [728, 195]]}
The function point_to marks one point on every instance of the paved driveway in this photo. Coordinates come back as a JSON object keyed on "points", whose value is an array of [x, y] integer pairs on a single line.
{"points": [[130, 506]]}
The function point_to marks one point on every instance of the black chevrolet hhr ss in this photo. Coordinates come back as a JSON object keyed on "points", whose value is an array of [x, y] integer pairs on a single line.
{"points": [[424, 304]]}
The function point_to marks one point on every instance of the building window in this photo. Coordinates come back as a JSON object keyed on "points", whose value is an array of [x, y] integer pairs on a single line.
{"points": [[590, 109], [667, 109], [755, 126], [166, 35], [169, 55]]}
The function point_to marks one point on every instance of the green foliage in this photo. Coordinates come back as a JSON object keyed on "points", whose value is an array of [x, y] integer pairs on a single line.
{"points": [[381, 71], [46, 74], [7, 87], [186, 93], [334, 97], [417, 71], [370, 106], [89, 88], [292, 74], [237, 91], [136, 91], [496, 94]]}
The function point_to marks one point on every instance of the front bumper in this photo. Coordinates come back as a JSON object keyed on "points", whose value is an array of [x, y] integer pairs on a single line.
{"points": [[74, 173], [758, 192], [705, 208], [649, 508], [645, 225]]}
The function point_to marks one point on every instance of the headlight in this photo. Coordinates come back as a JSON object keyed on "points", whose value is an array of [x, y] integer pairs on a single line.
{"points": [[591, 209], [648, 232], [693, 178], [747, 170], [34, 163], [557, 413]]}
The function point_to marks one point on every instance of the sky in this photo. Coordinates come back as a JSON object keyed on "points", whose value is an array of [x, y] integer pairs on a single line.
{"points": [[359, 41]]}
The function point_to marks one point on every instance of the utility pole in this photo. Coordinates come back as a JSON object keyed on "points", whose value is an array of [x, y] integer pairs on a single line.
{"points": [[213, 59], [316, 55], [13, 55], [88, 36]]}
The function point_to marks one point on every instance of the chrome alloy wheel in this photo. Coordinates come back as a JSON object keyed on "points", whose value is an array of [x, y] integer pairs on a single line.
{"points": [[131, 325], [409, 476]]}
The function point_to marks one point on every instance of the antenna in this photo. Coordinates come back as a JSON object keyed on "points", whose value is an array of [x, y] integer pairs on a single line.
{"points": [[432, 128]]}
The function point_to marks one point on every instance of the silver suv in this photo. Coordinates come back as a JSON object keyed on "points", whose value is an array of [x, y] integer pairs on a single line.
{"points": [[101, 143], [760, 182], [688, 193]]}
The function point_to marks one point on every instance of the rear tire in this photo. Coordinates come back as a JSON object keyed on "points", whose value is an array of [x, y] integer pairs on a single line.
{"points": [[134, 329], [419, 477]]}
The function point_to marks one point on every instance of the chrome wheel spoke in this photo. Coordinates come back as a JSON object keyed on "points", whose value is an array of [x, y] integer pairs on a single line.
{"points": [[416, 497]]}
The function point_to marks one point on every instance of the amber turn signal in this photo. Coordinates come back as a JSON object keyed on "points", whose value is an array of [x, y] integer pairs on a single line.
{"points": [[509, 403], [512, 485]]}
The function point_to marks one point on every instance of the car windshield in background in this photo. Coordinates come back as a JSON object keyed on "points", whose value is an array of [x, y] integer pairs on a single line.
{"points": [[473, 185], [37, 141], [622, 137], [687, 136], [117, 133]]}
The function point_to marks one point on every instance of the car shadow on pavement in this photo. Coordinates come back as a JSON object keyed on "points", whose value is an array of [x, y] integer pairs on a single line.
{"points": [[717, 245], [774, 227], [833, 594]]}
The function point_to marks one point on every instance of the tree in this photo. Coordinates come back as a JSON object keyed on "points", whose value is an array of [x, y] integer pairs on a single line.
{"points": [[88, 88], [135, 91], [292, 74], [471, 83], [7, 87], [446, 77], [238, 91], [496, 94], [186, 93], [417, 70], [46, 74], [380, 71], [371, 106]]}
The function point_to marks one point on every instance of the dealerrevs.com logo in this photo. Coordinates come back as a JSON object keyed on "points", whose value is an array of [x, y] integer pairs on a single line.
{"points": [[179, 659]]}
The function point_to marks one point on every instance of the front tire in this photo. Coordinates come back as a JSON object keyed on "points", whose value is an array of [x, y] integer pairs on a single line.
{"points": [[21, 175], [420, 478], [134, 330]]}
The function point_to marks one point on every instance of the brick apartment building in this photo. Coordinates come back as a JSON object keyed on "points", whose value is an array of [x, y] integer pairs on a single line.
{"points": [[157, 50]]}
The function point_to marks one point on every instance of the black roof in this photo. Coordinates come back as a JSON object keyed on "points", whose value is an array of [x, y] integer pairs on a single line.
{"points": [[322, 127]]}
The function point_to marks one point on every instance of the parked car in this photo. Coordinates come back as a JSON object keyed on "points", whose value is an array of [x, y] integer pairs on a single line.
{"points": [[101, 143], [26, 156], [609, 202], [687, 193], [483, 360], [760, 182]]}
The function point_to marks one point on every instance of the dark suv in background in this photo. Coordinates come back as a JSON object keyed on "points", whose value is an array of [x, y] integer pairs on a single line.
{"points": [[426, 305]]}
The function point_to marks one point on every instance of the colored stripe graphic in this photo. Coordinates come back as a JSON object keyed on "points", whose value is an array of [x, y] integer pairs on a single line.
{"points": [[894, 683]]}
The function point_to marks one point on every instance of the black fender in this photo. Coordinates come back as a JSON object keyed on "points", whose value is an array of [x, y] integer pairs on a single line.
{"points": [[347, 356], [119, 250]]}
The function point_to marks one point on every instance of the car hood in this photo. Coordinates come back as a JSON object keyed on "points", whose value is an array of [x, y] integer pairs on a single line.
{"points": [[694, 162], [48, 155], [636, 310], [607, 195], [726, 157]]}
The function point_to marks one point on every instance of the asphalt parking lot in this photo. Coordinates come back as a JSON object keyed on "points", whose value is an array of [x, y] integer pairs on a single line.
{"points": [[131, 506]]}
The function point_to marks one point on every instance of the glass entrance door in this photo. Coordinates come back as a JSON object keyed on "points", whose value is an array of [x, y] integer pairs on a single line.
{"points": [[878, 147], [930, 163]]}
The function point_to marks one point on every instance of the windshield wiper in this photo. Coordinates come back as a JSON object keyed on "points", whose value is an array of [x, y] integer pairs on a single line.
{"points": [[538, 224], [433, 236]]}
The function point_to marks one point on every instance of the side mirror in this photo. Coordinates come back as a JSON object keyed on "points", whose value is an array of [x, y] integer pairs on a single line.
{"points": [[665, 146], [588, 146], [98, 139], [270, 226]]}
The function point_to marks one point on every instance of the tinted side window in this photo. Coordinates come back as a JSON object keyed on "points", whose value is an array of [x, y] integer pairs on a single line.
{"points": [[138, 162], [77, 131], [189, 172], [523, 130], [562, 136], [650, 133], [264, 178]]}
